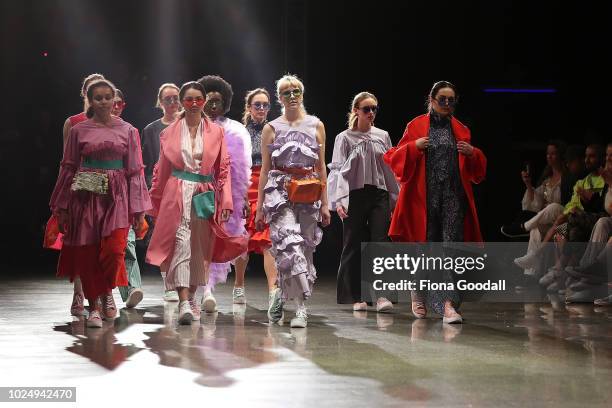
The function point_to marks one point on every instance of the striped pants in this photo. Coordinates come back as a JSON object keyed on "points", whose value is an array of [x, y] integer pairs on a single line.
{"points": [[192, 254]]}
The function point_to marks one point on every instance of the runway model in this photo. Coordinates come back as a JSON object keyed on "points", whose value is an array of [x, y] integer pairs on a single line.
{"points": [[292, 194], [100, 190]]}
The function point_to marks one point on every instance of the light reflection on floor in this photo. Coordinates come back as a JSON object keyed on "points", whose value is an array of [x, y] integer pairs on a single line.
{"points": [[505, 354]]}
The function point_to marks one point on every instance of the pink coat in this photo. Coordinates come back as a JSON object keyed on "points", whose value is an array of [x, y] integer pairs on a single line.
{"points": [[166, 194]]}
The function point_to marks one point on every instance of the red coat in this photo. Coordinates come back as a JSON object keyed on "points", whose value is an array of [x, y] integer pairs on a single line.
{"points": [[409, 222]]}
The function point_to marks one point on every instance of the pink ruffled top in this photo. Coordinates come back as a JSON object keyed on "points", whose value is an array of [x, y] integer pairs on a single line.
{"points": [[94, 216]]}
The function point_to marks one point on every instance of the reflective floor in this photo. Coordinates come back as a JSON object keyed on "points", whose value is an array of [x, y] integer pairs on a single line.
{"points": [[511, 354]]}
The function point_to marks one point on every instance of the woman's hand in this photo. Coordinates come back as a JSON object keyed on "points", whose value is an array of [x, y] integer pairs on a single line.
{"points": [[138, 222], [341, 211], [465, 148], [526, 179], [62, 221], [422, 143], [225, 214], [260, 225], [325, 216]]}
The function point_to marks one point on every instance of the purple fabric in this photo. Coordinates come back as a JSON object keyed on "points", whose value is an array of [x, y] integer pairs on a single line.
{"points": [[240, 176], [94, 216], [293, 227]]}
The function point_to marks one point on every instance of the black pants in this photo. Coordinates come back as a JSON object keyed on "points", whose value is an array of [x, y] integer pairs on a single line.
{"points": [[368, 221]]}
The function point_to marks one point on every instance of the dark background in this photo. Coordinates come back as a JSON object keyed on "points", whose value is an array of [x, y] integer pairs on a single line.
{"points": [[395, 49]]}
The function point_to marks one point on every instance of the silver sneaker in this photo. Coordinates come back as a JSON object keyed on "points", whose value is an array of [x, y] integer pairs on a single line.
{"points": [[275, 306], [301, 318], [238, 296]]}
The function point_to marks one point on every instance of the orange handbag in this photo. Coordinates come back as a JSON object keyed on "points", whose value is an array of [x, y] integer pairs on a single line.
{"points": [[306, 190]]}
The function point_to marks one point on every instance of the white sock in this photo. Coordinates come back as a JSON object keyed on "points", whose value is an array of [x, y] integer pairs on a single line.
{"points": [[299, 304]]}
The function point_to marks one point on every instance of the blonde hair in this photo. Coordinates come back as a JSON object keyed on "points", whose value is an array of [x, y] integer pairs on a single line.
{"points": [[352, 116], [246, 116], [161, 89], [286, 80]]}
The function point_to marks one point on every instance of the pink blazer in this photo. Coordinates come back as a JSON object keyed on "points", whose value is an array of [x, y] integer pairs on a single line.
{"points": [[166, 194]]}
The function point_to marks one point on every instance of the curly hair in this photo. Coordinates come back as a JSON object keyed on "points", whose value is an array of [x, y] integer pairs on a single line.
{"points": [[214, 83]]}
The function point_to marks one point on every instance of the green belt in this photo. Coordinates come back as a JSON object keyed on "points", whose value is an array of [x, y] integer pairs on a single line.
{"points": [[195, 177], [102, 164]]}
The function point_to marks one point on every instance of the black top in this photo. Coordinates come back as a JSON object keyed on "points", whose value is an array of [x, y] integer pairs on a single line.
{"points": [[150, 147], [255, 130]]}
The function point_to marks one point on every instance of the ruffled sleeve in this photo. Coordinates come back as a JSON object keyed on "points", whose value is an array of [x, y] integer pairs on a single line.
{"points": [[338, 188], [60, 197], [139, 200]]}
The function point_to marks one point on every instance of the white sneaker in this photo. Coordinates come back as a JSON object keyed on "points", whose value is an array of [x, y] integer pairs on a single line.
{"points": [[171, 296], [94, 320], [301, 318], [209, 303], [360, 307], [134, 297], [383, 305], [185, 313], [238, 296]]}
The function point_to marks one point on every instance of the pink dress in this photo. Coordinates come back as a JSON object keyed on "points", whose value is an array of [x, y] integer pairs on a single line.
{"points": [[95, 216]]}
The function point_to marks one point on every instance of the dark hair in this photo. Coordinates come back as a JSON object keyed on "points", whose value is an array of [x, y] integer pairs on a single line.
{"points": [[119, 94], [436, 88], [87, 80], [548, 170], [187, 86], [97, 84], [214, 83]]}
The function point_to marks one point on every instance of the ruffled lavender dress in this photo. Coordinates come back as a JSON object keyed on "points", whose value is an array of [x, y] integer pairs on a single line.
{"points": [[293, 227]]}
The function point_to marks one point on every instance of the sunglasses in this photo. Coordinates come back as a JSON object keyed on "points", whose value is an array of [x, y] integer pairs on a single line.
{"points": [[261, 105], [189, 102], [444, 101], [368, 109], [169, 100], [119, 104], [295, 93]]}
